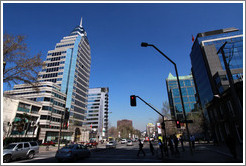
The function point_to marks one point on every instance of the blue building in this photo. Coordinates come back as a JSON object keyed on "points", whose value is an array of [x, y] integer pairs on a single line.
{"points": [[68, 65], [188, 94], [208, 67]]}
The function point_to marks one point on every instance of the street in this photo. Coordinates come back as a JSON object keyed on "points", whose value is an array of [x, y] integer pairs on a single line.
{"points": [[128, 154]]}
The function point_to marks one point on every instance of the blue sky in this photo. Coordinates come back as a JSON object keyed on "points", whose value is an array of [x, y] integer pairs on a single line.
{"points": [[115, 32]]}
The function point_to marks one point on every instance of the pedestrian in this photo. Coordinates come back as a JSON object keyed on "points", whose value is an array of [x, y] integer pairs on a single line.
{"points": [[161, 147], [231, 143], [170, 144], [176, 143], [192, 139], [140, 148], [182, 143], [151, 148]]}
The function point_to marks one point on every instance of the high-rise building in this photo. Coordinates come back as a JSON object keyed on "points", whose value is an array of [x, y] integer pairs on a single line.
{"points": [[188, 94], [124, 122], [97, 112], [63, 87], [208, 68], [68, 65]]}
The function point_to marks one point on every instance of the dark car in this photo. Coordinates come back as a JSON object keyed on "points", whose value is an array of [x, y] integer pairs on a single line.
{"points": [[72, 152]]}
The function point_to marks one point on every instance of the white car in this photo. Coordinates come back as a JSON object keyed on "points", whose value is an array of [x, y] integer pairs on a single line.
{"points": [[129, 143], [123, 141], [111, 144]]}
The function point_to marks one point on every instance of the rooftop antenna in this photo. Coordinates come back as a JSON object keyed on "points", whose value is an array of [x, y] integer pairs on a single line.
{"points": [[80, 22]]}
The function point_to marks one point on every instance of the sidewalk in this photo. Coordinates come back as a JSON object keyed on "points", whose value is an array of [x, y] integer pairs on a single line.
{"points": [[205, 153]]}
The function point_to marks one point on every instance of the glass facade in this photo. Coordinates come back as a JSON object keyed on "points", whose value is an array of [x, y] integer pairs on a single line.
{"points": [[188, 94], [69, 67], [208, 67]]}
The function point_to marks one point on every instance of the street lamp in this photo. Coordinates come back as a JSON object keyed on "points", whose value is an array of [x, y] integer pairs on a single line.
{"points": [[143, 44]]}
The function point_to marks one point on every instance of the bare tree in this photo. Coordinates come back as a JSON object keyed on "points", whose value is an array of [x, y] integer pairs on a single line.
{"points": [[198, 125], [113, 132], [165, 110], [20, 66]]}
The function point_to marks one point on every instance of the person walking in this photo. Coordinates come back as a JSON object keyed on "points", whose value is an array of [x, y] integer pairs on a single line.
{"points": [[182, 143], [170, 143], [151, 148], [140, 148], [176, 143], [192, 139], [161, 147]]}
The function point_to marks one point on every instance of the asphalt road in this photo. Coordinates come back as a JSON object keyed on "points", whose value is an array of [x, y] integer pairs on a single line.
{"points": [[128, 154]]}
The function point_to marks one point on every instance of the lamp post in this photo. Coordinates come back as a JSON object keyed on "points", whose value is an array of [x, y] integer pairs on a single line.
{"points": [[181, 97]]}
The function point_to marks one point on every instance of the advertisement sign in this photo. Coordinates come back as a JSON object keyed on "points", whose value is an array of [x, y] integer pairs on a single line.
{"points": [[159, 128]]}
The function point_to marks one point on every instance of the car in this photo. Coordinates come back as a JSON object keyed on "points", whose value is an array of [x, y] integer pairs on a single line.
{"points": [[72, 152], [49, 143], [129, 143], [91, 144], [123, 141], [17, 150], [111, 144]]}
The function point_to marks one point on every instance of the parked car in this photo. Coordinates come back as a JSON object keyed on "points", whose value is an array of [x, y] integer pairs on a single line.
{"points": [[72, 152], [91, 144], [123, 141], [49, 143], [111, 144], [129, 143], [20, 150]]}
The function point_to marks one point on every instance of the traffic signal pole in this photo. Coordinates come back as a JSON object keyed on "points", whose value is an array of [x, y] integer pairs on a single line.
{"points": [[180, 92], [164, 127]]}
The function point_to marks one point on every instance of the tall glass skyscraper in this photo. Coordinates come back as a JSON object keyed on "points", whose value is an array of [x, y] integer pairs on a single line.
{"points": [[208, 67], [188, 94], [68, 65]]}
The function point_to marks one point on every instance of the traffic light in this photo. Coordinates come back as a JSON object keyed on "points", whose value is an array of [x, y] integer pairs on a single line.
{"points": [[133, 100], [163, 125], [178, 124]]}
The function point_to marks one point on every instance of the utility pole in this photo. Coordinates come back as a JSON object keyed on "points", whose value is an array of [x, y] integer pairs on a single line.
{"points": [[164, 128], [180, 92]]}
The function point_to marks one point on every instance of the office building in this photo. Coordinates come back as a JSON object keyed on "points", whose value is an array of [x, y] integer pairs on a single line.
{"points": [[97, 113], [68, 66], [52, 102], [208, 68], [124, 122], [224, 118], [63, 84], [188, 94], [222, 104], [15, 109]]}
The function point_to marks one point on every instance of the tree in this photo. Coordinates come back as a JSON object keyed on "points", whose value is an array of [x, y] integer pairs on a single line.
{"points": [[20, 66], [170, 126], [112, 132], [198, 125], [165, 110]]}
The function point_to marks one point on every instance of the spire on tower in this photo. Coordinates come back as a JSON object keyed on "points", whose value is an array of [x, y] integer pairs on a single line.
{"points": [[80, 22]]}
